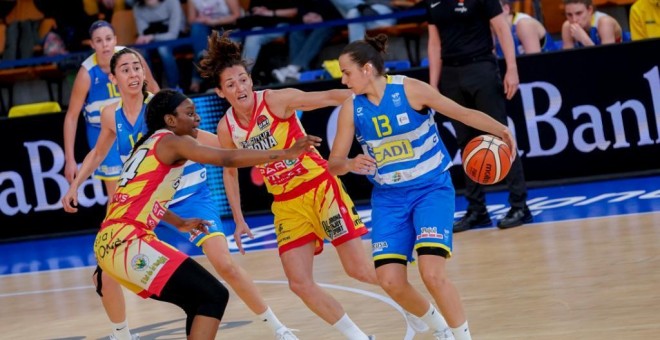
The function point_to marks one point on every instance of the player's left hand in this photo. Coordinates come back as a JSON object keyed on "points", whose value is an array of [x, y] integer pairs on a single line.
{"points": [[241, 229], [197, 224]]}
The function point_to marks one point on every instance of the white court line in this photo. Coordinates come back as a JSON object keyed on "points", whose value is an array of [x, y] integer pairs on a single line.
{"points": [[410, 333]]}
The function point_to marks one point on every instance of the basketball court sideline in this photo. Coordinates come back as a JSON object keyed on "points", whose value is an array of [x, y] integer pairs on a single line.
{"points": [[586, 268]]}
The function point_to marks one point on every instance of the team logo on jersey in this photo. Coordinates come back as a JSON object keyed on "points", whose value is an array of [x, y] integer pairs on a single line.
{"points": [[262, 122], [139, 262], [262, 141], [396, 99], [358, 111], [176, 183], [402, 118], [119, 127], [393, 151]]}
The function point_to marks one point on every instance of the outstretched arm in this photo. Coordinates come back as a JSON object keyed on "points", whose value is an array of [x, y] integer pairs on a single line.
{"points": [[285, 101]]}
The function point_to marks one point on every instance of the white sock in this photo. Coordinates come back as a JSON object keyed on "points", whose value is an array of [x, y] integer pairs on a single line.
{"points": [[121, 330], [462, 332], [271, 320], [434, 319], [294, 68], [350, 330]]}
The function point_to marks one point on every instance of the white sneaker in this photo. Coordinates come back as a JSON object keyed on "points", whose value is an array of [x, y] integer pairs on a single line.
{"points": [[444, 334], [283, 74], [134, 336], [285, 334], [418, 325]]}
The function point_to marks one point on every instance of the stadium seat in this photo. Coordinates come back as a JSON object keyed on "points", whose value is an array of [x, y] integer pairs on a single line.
{"points": [[123, 22], [397, 65], [34, 109], [313, 75]]}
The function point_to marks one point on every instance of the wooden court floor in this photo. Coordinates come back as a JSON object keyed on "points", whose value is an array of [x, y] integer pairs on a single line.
{"points": [[583, 279]]}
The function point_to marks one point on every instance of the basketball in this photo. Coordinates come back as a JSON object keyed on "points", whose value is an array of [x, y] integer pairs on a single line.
{"points": [[486, 159]]}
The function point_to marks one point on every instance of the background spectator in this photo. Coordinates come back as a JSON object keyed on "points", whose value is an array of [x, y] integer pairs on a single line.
{"points": [[645, 19], [351, 9], [586, 27], [305, 45], [265, 14], [103, 9], [161, 20], [71, 24], [22, 33], [529, 35], [203, 16]]}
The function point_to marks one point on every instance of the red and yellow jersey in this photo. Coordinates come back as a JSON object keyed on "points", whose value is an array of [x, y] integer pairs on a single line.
{"points": [[284, 179], [145, 187]]}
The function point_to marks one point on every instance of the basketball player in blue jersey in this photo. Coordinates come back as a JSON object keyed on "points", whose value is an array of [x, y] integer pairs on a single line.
{"points": [[529, 35], [92, 90], [123, 123], [405, 158]]}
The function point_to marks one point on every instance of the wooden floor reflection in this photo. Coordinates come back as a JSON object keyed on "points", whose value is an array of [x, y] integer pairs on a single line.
{"points": [[582, 279]]}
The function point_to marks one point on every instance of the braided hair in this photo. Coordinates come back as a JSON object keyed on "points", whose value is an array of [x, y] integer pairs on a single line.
{"points": [[222, 53]]}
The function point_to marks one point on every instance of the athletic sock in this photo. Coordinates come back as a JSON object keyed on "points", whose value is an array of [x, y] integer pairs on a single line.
{"points": [[121, 330], [271, 320], [350, 330], [462, 332], [434, 319]]}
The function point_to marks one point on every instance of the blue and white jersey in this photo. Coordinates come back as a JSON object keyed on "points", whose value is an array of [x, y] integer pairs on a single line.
{"points": [[128, 134], [405, 143], [101, 91], [192, 185]]}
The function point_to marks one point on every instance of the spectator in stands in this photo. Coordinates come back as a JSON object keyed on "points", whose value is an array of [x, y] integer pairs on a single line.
{"points": [[351, 9], [161, 20], [103, 9], [645, 19], [265, 14], [22, 33], [204, 16], [71, 24], [529, 35], [305, 45], [584, 26]]}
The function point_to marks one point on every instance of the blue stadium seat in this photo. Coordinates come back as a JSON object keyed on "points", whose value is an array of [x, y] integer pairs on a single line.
{"points": [[313, 75], [397, 65], [424, 63]]}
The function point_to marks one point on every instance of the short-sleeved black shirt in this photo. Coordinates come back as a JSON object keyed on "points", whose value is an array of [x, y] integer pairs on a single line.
{"points": [[464, 26]]}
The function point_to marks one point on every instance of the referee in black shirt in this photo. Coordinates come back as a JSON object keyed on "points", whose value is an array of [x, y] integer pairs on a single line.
{"points": [[460, 52]]}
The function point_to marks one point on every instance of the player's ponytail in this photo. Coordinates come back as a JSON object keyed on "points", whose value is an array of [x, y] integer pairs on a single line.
{"points": [[370, 50], [221, 53]]}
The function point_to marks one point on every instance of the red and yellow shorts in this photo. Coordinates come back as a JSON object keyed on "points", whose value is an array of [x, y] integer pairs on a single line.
{"points": [[136, 258], [325, 211]]}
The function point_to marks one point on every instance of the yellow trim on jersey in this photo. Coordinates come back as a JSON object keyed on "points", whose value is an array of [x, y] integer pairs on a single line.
{"points": [[107, 178]]}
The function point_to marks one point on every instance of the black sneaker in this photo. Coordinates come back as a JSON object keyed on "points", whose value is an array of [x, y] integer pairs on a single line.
{"points": [[515, 217], [471, 220]]}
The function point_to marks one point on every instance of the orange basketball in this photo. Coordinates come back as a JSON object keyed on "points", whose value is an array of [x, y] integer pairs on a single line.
{"points": [[486, 159]]}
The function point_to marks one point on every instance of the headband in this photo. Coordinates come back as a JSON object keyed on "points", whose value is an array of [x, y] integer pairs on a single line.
{"points": [[98, 24], [175, 101]]}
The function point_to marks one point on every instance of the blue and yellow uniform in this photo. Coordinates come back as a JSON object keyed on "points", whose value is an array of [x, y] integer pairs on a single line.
{"points": [[546, 42], [309, 203], [411, 167], [101, 93]]}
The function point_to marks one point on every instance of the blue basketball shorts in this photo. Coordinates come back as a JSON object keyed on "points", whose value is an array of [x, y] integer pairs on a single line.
{"points": [[408, 218], [191, 208]]}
